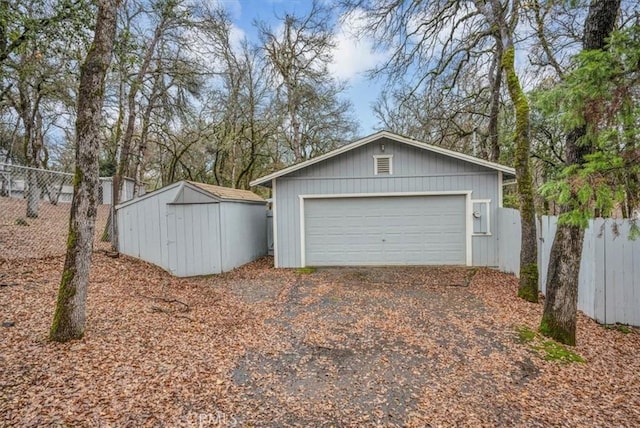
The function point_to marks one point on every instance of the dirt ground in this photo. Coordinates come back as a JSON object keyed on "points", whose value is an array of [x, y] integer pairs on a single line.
{"points": [[272, 347]]}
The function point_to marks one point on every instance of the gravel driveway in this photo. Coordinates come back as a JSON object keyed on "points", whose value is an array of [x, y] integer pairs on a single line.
{"points": [[361, 345], [269, 347]]}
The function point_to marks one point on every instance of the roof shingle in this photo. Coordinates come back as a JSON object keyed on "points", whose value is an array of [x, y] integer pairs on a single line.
{"points": [[228, 193]]}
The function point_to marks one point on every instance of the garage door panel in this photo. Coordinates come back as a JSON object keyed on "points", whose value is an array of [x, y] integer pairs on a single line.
{"points": [[385, 230]]}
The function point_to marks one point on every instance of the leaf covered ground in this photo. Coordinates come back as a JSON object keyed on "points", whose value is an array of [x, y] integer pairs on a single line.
{"points": [[44, 236], [335, 347]]}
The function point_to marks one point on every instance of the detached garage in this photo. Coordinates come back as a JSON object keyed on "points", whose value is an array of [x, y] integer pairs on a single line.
{"points": [[193, 228], [387, 200]]}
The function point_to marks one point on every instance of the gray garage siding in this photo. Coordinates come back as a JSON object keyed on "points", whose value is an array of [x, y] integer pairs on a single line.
{"points": [[414, 170], [407, 161]]}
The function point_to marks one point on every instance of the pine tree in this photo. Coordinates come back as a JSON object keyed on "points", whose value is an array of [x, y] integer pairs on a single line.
{"points": [[560, 309]]}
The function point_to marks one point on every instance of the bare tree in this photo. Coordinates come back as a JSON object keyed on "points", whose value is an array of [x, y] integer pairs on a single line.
{"points": [[70, 312], [166, 17], [299, 57], [152, 38], [441, 70], [460, 119], [238, 106], [35, 84]]}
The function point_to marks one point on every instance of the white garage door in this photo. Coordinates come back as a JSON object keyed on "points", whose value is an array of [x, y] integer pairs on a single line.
{"points": [[398, 230]]}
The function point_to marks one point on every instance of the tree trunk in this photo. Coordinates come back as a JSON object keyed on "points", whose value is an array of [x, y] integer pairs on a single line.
{"points": [[495, 12], [125, 152], [561, 301], [144, 135], [495, 80], [29, 114], [33, 194], [70, 314], [107, 233], [528, 288]]}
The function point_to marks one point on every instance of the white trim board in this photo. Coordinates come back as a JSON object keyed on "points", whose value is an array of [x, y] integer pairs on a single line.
{"points": [[384, 194], [465, 193], [303, 242], [390, 136], [274, 208], [500, 189]]}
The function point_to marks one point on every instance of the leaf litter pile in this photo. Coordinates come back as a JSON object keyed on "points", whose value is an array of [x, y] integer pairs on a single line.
{"points": [[272, 347]]}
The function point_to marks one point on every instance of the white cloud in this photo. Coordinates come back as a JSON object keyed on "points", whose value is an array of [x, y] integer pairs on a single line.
{"points": [[354, 53], [236, 36]]}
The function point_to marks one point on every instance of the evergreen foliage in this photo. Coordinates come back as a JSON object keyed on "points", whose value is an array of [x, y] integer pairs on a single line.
{"points": [[600, 93]]}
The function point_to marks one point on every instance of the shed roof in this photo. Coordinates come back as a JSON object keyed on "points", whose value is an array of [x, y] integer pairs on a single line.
{"points": [[228, 193], [214, 194], [510, 172]]}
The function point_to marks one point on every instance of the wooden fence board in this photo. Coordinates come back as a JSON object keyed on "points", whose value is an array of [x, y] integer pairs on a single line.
{"points": [[609, 281]]}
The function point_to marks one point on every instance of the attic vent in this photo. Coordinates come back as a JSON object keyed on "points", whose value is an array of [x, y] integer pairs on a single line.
{"points": [[382, 165]]}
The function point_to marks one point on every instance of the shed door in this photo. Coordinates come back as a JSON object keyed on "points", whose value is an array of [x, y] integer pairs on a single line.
{"points": [[398, 230], [193, 239]]}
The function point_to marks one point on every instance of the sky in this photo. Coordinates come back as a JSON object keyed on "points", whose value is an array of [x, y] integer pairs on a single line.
{"points": [[352, 56]]}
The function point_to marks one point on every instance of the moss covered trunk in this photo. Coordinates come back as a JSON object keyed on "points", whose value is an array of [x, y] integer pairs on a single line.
{"points": [[495, 81], [528, 288], [69, 316], [561, 301]]}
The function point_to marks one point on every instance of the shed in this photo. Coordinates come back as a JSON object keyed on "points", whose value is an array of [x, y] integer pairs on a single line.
{"points": [[387, 200], [193, 228], [106, 190]]}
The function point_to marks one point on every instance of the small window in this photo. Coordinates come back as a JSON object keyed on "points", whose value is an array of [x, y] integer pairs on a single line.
{"points": [[382, 165]]}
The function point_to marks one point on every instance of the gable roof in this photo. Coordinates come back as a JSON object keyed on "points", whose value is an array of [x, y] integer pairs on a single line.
{"points": [[215, 193], [228, 193], [510, 172]]}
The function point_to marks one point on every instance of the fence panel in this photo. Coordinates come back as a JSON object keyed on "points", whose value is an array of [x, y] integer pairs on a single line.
{"points": [[509, 233], [34, 212], [587, 278], [599, 266], [622, 285], [608, 283]]}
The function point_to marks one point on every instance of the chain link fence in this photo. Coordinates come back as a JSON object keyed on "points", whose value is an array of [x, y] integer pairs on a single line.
{"points": [[35, 205]]}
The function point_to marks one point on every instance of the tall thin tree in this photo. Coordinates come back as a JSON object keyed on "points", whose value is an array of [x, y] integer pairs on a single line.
{"points": [[70, 312], [505, 20]]}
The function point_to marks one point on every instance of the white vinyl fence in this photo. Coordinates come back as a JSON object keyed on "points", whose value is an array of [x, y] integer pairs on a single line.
{"points": [[509, 237], [609, 281]]}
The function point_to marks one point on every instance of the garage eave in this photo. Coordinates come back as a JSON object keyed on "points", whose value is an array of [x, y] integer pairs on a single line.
{"points": [[266, 180]]}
